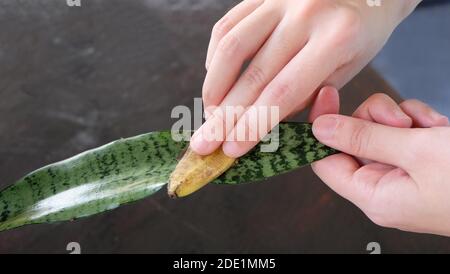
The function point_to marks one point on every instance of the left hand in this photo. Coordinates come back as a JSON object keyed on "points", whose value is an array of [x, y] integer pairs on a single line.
{"points": [[395, 165]]}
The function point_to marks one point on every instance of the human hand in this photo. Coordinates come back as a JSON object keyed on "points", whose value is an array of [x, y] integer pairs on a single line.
{"points": [[295, 46], [397, 175]]}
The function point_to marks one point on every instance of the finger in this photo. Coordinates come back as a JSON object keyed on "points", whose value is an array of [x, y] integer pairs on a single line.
{"points": [[343, 174], [284, 43], [365, 139], [228, 22], [382, 109], [327, 102], [423, 115], [337, 79], [346, 72], [234, 49], [342, 75], [292, 87], [212, 133]]}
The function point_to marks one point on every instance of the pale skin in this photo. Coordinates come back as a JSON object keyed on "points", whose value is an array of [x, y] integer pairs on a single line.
{"points": [[395, 157], [293, 47], [395, 165]]}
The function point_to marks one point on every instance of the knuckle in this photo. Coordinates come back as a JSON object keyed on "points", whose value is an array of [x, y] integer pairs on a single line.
{"points": [[255, 76], [270, 9], [207, 99], [365, 189], [207, 95], [348, 28], [378, 97], [380, 213], [229, 45], [222, 27], [272, 4], [360, 138], [310, 8], [379, 218], [282, 90], [350, 19], [282, 94]]}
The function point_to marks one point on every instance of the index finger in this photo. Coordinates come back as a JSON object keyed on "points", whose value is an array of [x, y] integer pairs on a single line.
{"points": [[365, 139], [233, 50]]}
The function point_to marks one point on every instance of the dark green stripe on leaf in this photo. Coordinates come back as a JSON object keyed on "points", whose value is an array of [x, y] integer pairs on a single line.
{"points": [[131, 169]]}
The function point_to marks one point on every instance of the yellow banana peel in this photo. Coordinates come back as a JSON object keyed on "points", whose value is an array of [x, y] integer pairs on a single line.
{"points": [[195, 171]]}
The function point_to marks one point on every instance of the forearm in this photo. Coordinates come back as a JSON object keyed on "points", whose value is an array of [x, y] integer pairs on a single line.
{"points": [[409, 6], [403, 8], [394, 11]]}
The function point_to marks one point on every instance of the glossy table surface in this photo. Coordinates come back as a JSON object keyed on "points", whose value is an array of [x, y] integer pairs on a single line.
{"points": [[75, 78]]}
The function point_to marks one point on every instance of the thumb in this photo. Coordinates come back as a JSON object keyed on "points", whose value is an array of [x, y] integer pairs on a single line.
{"points": [[364, 139]]}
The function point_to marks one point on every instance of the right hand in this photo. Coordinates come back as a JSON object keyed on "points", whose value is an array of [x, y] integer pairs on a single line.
{"points": [[295, 47]]}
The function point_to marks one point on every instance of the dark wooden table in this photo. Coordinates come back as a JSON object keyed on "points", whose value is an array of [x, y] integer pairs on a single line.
{"points": [[76, 78]]}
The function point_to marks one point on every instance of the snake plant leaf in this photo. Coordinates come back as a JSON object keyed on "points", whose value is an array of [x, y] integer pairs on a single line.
{"points": [[297, 148], [131, 169]]}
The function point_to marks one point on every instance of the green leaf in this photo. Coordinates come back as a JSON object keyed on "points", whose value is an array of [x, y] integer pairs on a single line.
{"points": [[131, 169]]}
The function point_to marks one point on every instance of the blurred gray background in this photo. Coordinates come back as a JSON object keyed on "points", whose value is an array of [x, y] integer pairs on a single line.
{"points": [[416, 60], [76, 78]]}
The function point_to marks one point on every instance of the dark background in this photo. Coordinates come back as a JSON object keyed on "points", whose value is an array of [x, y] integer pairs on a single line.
{"points": [[416, 59], [75, 78]]}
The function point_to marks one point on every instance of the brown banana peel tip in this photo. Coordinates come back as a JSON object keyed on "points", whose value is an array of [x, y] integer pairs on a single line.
{"points": [[172, 193], [194, 171]]}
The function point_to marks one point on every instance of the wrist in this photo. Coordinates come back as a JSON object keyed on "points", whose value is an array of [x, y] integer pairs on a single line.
{"points": [[389, 12], [404, 8]]}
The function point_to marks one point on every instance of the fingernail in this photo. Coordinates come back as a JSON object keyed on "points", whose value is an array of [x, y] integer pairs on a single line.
{"points": [[439, 117], [208, 113], [446, 121], [198, 144], [325, 127], [231, 149], [401, 115]]}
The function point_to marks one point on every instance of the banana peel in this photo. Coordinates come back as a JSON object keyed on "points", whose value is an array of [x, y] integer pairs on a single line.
{"points": [[195, 171]]}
